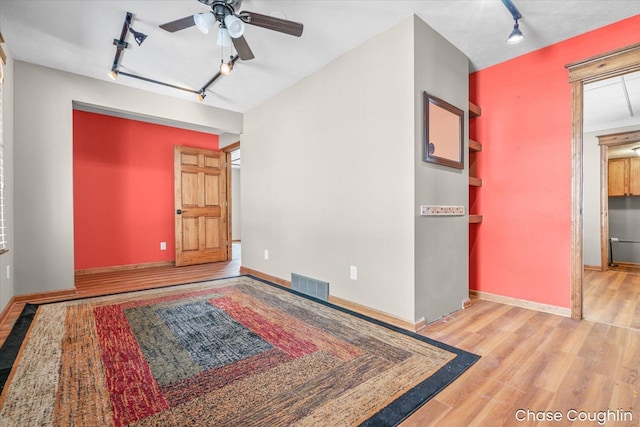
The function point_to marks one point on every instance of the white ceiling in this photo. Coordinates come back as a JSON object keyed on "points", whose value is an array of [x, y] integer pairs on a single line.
{"points": [[613, 103], [76, 36]]}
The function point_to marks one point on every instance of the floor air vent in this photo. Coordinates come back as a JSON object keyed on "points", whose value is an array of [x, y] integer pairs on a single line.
{"points": [[312, 287]]}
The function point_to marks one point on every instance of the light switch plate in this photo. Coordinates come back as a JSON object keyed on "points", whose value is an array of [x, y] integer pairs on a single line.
{"points": [[428, 210]]}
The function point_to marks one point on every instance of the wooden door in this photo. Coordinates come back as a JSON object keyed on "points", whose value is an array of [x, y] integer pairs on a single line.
{"points": [[200, 191], [634, 176], [618, 177]]}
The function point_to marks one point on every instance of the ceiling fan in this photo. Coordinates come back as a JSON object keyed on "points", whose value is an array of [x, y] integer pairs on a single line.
{"points": [[231, 23]]}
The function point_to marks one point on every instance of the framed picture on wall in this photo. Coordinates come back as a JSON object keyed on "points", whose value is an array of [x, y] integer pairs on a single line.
{"points": [[443, 137]]}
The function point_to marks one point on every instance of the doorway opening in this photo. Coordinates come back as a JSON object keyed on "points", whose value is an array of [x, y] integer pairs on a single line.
{"points": [[601, 67], [234, 161], [611, 288]]}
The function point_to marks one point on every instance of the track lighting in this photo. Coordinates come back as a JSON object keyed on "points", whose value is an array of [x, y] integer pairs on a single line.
{"points": [[225, 67], [204, 21], [137, 36], [516, 35], [121, 45], [234, 25]]}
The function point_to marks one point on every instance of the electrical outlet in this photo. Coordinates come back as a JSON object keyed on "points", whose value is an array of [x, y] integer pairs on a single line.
{"points": [[353, 272], [163, 246], [266, 254]]}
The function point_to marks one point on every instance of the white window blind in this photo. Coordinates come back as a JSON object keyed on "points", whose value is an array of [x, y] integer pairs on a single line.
{"points": [[3, 228]]}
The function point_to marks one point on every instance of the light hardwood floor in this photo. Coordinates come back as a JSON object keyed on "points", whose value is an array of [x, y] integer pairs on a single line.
{"points": [[123, 281], [530, 360], [537, 361], [612, 297]]}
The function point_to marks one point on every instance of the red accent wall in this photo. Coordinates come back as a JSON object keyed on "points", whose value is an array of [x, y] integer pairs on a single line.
{"points": [[123, 189], [522, 249]]}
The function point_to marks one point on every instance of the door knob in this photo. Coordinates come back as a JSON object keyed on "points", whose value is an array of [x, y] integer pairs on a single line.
{"points": [[179, 211]]}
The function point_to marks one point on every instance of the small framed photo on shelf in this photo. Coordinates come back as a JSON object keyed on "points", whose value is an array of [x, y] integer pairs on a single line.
{"points": [[443, 136]]}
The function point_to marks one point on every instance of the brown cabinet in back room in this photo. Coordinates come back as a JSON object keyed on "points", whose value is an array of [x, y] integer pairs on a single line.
{"points": [[624, 177]]}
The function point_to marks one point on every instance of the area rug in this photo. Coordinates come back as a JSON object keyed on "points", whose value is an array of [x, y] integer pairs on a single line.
{"points": [[229, 352]]}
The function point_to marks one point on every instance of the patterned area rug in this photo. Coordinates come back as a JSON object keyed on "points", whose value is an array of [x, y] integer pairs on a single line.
{"points": [[230, 352]]}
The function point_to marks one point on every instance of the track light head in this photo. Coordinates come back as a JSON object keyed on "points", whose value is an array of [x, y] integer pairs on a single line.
{"points": [[516, 35], [225, 68], [137, 36]]}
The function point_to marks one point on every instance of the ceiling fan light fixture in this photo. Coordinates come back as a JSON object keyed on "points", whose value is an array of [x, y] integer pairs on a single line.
{"points": [[224, 39], [204, 21], [234, 25], [516, 35]]}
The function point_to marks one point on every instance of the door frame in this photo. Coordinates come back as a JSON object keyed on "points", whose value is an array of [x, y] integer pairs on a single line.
{"points": [[610, 64], [227, 150]]}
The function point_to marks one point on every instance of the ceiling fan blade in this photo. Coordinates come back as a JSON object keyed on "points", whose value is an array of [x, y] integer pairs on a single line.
{"points": [[271, 23], [179, 24], [244, 51]]}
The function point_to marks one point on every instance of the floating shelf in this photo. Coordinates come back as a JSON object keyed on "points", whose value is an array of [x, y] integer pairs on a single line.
{"points": [[474, 110], [475, 182], [475, 219], [474, 147]]}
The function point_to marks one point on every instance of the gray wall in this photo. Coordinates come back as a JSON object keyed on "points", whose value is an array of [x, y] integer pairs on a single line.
{"points": [[226, 139], [328, 176], [441, 243], [6, 260], [332, 177], [43, 157], [591, 191], [624, 223]]}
